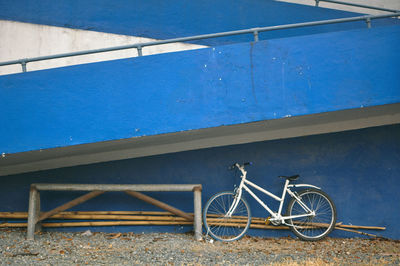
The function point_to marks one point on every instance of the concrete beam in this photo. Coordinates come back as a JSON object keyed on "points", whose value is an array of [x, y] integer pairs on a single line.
{"points": [[198, 139]]}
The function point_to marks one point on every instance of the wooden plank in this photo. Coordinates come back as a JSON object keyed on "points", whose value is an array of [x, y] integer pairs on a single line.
{"points": [[172, 221], [146, 215], [159, 204], [116, 217], [102, 223], [355, 231], [24, 215], [70, 204], [117, 223], [361, 227]]}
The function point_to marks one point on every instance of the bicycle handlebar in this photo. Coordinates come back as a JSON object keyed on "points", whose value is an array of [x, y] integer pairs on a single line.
{"points": [[239, 165]]}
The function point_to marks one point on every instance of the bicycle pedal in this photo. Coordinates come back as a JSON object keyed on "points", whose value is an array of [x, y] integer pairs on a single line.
{"points": [[267, 221]]}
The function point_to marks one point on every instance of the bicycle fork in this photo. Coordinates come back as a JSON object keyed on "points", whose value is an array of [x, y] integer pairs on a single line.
{"points": [[238, 196]]}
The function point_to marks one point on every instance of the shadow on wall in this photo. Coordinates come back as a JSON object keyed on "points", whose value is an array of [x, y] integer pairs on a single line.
{"points": [[360, 170]]}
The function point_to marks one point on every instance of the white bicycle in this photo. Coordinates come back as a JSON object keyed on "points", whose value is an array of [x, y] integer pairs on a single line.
{"points": [[311, 214]]}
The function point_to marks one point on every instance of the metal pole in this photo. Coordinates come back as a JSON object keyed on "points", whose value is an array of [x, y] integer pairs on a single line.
{"points": [[255, 33], [368, 21], [23, 64], [316, 2], [139, 50]]}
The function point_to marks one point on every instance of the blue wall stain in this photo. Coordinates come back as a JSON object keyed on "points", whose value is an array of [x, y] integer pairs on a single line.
{"points": [[359, 169], [178, 18], [205, 88]]}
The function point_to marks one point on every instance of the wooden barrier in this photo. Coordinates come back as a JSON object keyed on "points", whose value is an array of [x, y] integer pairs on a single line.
{"points": [[35, 218]]}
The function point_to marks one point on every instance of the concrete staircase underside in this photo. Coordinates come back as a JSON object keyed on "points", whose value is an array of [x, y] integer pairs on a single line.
{"points": [[198, 99]]}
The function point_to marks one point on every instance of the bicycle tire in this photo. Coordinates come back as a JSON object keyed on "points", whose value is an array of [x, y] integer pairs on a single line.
{"points": [[315, 227], [223, 228]]}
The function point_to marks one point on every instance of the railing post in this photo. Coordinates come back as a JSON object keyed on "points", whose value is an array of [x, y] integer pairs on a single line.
{"points": [[368, 21], [197, 213], [23, 65], [33, 213], [139, 50], [255, 33]]}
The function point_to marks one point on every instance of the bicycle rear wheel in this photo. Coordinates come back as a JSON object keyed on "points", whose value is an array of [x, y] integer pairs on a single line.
{"points": [[225, 228], [315, 227]]}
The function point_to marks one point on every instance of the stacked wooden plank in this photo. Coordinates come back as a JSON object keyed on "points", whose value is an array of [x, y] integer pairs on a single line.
{"points": [[131, 218]]}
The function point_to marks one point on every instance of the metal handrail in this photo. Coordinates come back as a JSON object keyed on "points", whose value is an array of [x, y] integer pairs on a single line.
{"points": [[254, 31], [356, 5]]}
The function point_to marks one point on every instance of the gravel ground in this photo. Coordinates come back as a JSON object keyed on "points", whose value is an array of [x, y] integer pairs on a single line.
{"points": [[56, 248]]}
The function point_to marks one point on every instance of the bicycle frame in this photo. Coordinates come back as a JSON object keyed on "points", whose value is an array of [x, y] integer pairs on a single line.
{"points": [[276, 216]]}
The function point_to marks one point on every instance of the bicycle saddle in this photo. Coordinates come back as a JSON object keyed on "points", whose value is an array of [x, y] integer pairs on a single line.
{"points": [[291, 178]]}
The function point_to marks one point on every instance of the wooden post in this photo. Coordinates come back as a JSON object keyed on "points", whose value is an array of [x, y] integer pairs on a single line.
{"points": [[197, 214], [33, 213]]}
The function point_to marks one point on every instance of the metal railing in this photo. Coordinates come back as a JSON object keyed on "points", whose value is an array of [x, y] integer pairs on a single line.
{"points": [[254, 31]]}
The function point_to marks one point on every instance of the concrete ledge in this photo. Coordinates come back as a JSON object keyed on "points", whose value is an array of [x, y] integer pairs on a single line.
{"points": [[197, 139]]}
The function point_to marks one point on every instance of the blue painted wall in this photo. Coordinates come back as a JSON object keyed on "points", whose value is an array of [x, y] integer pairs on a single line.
{"points": [[176, 18], [225, 85], [205, 88], [360, 170]]}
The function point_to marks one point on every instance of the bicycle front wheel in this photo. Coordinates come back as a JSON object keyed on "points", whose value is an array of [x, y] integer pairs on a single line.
{"points": [[320, 224], [221, 227]]}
